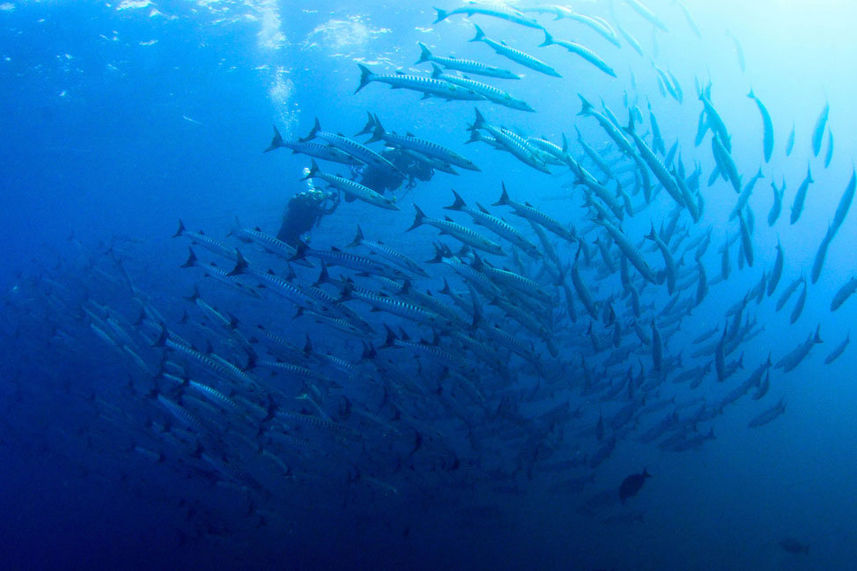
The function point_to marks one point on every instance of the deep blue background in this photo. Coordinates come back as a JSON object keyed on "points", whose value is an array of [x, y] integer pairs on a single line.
{"points": [[96, 143]]}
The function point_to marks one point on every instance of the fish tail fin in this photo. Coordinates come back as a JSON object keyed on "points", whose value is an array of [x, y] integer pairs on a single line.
{"points": [[313, 170], [390, 340], [300, 251], [161, 341], [358, 237], [817, 338], [323, 276], [441, 15], [630, 127], [652, 235], [459, 203], [548, 39], [276, 142], [439, 254], [406, 288], [479, 122], [586, 105], [480, 35], [366, 76], [425, 53], [252, 356], [369, 352], [504, 197], [378, 132], [565, 144], [445, 289], [751, 95], [419, 217], [240, 264], [311, 135], [180, 229], [347, 288], [191, 259], [474, 137], [436, 71], [369, 127]]}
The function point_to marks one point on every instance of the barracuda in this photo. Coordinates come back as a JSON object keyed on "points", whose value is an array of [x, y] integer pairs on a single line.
{"points": [[500, 11], [457, 231], [309, 148], [389, 304], [426, 85], [408, 141], [489, 92], [465, 65], [207, 242], [350, 146], [581, 50], [515, 55], [511, 142], [211, 361], [337, 257], [767, 127], [397, 258], [352, 189], [500, 227], [536, 216], [292, 292]]}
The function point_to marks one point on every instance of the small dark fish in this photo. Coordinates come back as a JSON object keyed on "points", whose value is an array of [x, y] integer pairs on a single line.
{"points": [[790, 142], [818, 132], [777, 207], [844, 293], [792, 545], [837, 352], [632, 484], [845, 202], [767, 124]]}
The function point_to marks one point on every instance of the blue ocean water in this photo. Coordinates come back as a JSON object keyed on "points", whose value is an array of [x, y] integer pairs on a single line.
{"points": [[493, 443]]}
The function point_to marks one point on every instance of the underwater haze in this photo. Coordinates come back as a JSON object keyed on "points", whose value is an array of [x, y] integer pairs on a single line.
{"points": [[415, 285]]}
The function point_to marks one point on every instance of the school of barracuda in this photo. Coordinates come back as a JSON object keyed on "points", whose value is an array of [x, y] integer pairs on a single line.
{"points": [[524, 349]]}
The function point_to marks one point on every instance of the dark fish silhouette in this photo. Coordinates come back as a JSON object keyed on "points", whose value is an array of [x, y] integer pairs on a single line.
{"points": [[632, 484], [792, 545]]}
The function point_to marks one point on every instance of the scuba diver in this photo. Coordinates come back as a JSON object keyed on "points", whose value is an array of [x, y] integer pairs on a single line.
{"points": [[306, 208], [304, 211]]}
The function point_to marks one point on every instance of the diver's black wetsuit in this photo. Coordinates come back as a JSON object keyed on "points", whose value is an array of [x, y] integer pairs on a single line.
{"points": [[382, 180], [304, 211]]}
